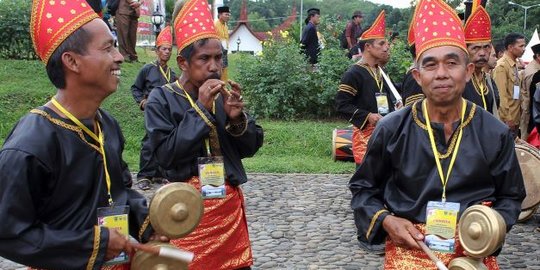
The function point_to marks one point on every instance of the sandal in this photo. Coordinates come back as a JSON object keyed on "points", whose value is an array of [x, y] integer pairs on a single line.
{"points": [[160, 180], [143, 184]]}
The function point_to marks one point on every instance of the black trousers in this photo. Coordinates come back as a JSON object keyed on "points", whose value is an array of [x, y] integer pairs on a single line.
{"points": [[148, 167]]}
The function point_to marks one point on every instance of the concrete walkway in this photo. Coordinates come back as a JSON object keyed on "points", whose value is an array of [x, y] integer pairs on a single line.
{"points": [[301, 221]]}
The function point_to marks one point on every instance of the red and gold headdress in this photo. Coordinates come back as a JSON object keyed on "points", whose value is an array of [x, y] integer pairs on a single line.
{"points": [[164, 37], [410, 33], [436, 24], [53, 21], [194, 22], [377, 29], [478, 26]]}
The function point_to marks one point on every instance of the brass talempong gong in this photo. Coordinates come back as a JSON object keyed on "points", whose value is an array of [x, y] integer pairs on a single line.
{"points": [[147, 261], [176, 209], [529, 162], [481, 230], [465, 263]]}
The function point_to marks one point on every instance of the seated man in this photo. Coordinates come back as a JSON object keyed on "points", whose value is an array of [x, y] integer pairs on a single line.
{"points": [[442, 151]]}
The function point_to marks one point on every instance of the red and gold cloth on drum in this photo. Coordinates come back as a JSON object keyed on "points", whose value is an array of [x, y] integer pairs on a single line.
{"points": [[221, 240], [360, 140], [125, 266], [397, 258]]}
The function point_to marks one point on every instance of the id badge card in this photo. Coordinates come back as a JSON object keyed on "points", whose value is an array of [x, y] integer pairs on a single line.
{"points": [[212, 177], [382, 103], [441, 224], [115, 217], [516, 92]]}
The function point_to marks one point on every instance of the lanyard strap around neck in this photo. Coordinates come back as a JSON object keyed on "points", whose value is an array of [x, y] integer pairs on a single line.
{"points": [[482, 86], [166, 75], [100, 139], [193, 105], [444, 179], [377, 77]]}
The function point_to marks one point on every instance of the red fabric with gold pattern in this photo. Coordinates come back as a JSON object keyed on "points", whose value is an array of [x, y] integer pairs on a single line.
{"points": [[221, 240], [53, 21], [478, 26], [164, 37], [436, 24], [360, 140], [397, 258], [377, 29], [410, 34], [194, 22]]}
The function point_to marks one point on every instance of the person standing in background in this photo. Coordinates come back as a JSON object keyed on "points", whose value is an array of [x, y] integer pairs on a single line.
{"points": [[309, 40], [508, 82], [152, 75], [353, 30], [126, 20], [224, 15]]}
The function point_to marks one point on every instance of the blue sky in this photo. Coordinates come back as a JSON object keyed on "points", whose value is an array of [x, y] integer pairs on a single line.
{"points": [[394, 3]]}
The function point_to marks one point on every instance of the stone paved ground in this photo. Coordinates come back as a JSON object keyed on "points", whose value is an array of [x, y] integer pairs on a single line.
{"points": [[304, 222]]}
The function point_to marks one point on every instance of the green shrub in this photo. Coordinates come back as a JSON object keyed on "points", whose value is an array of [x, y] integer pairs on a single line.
{"points": [[15, 41], [280, 84], [400, 60]]}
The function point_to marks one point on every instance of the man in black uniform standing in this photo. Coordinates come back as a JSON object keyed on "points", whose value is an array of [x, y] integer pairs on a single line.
{"points": [[151, 76]]}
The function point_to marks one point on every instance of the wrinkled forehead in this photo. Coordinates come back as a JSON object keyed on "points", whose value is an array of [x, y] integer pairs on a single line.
{"points": [[442, 53]]}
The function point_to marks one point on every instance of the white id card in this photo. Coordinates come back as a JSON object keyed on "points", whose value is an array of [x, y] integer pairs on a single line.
{"points": [[516, 92], [382, 104], [212, 177]]}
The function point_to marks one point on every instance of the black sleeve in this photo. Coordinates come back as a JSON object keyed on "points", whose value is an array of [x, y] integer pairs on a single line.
{"points": [[138, 89]]}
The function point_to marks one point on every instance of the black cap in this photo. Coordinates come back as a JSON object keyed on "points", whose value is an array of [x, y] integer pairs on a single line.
{"points": [[357, 13], [313, 11], [223, 9], [536, 48]]}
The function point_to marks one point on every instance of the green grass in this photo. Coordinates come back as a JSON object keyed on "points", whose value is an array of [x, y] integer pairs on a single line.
{"points": [[289, 147]]}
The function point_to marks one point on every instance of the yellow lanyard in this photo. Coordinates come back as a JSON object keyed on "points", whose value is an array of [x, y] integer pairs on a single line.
{"points": [[444, 179], [100, 139], [481, 86], [206, 141], [166, 75], [378, 79]]}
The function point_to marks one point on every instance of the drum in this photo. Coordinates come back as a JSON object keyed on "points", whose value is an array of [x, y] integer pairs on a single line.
{"points": [[342, 144], [529, 162]]}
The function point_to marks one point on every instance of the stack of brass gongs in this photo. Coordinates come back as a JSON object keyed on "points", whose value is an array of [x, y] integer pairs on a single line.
{"points": [[481, 231], [175, 210]]}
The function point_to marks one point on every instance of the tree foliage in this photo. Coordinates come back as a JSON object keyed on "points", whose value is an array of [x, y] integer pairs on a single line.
{"points": [[15, 42]]}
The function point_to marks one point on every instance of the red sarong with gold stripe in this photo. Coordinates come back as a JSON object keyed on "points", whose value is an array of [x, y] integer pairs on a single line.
{"points": [[360, 140], [221, 240], [412, 259]]}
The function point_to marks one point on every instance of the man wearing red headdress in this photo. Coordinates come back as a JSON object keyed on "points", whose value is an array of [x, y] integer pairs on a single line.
{"points": [[442, 153], [363, 96], [478, 39], [62, 177], [199, 134], [151, 76]]}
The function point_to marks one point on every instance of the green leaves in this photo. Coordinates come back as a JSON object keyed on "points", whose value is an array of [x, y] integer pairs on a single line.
{"points": [[15, 41]]}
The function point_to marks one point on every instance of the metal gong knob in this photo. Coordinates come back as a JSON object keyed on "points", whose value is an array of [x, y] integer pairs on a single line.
{"points": [[481, 230], [466, 263], [176, 209]]}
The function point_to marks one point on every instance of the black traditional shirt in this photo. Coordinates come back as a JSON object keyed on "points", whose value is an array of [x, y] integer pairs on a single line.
{"points": [[52, 182], [150, 77], [355, 98], [473, 93], [310, 43], [177, 133], [412, 92], [399, 175]]}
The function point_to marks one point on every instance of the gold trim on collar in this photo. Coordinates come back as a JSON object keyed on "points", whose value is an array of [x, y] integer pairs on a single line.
{"points": [[62, 124], [453, 140]]}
